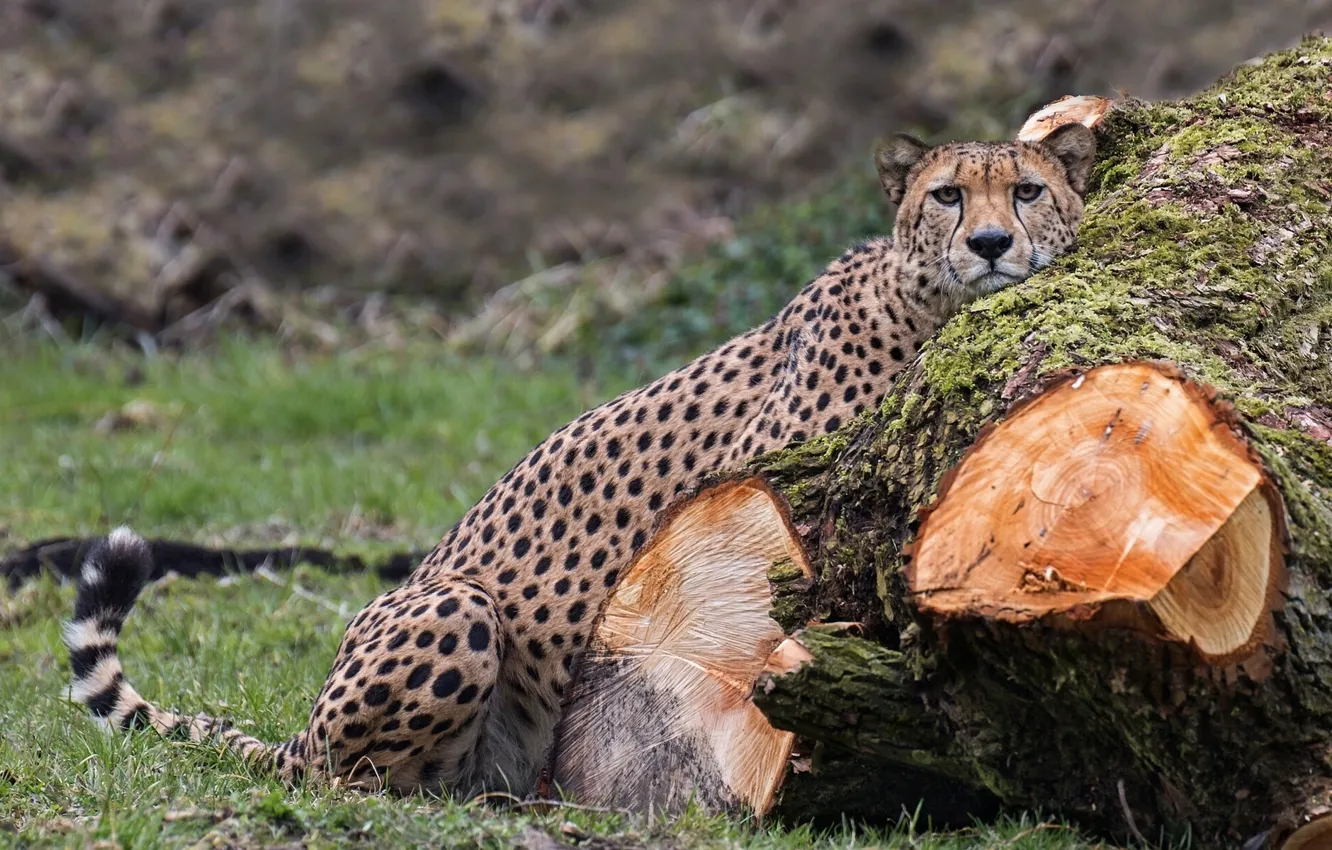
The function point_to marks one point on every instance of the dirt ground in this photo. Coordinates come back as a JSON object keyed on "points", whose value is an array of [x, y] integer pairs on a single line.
{"points": [[163, 150]]}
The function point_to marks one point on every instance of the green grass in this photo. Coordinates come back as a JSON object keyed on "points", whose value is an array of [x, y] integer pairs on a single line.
{"points": [[357, 450], [363, 450], [257, 652]]}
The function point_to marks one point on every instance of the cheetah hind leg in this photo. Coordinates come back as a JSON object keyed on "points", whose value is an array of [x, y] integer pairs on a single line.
{"points": [[405, 703]]}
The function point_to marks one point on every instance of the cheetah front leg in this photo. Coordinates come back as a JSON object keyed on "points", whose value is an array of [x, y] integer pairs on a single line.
{"points": [[407, 698]]}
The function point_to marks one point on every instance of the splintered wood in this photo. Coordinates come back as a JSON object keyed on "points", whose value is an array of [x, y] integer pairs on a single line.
{"points": [[660, 712], [1088, 110], [1120, 494]]}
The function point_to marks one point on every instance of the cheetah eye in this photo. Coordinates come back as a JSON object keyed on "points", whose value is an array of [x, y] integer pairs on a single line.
{"points": [[947, 195], [1028, 191]]}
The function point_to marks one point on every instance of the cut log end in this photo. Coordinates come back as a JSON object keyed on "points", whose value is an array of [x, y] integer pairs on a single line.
{"points": [[1121, 496], [1088, 110], [660, 711], [1314, 835]]}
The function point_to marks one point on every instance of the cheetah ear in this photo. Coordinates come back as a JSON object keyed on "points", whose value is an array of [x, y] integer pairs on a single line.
{"points": [[894, 157], [1074, 147]]}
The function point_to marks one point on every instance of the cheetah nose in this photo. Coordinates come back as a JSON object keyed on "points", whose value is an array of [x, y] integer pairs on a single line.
{"points": [[990, 243]]}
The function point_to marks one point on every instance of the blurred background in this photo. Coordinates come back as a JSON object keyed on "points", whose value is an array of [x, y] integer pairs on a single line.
{"points": [[281, 194], [165, 152]]}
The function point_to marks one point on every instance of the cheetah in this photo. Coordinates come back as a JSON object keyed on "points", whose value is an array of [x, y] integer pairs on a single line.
{"points": [[452, 681]]}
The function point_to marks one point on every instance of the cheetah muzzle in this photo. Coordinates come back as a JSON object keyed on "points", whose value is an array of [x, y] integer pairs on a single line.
{"points": [[453, 680]]}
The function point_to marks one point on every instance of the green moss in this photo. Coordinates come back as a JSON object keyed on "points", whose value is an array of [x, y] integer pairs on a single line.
{"points": [[790, 595], [1291, 80], [1201, 136], [1303, 470], [793, 464]]}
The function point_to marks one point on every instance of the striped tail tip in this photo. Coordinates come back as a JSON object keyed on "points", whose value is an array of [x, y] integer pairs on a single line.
{"points": [[110, 580]]}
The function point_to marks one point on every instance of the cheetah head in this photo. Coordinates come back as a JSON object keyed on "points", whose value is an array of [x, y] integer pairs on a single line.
{"points": [[975, 217]]}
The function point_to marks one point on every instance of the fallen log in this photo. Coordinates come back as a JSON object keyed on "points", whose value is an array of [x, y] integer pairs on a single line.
{"points": [[660, 713], [1087, 540]]}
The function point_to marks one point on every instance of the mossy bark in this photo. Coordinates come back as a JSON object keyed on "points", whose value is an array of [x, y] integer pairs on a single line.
{"points": [[896, 763], [1208, 243]]}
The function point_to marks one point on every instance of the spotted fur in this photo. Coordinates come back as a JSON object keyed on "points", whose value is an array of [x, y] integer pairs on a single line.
{"points": [[453, 680]]}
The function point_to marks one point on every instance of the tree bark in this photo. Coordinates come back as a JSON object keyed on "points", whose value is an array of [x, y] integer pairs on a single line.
{"points": [[1160, 683]]}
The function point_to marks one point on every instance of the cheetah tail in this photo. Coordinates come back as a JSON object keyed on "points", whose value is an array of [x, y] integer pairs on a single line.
{"points": [[113, 574]]}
